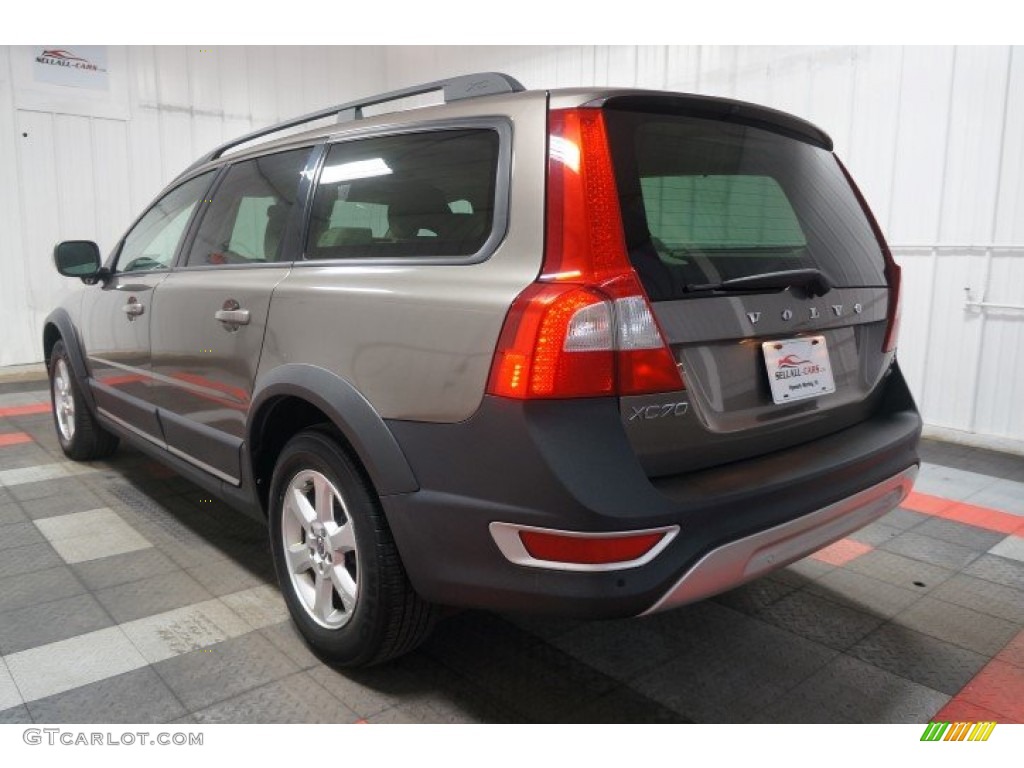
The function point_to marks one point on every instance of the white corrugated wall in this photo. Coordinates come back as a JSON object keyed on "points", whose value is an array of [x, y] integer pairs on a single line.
{"points": [[934, 135]]}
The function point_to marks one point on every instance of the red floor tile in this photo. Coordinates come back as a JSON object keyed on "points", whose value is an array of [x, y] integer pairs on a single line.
{"points": [[957, 511], [999, 687], [842, 552], [960, 711], [25, 410], [14, 438]]}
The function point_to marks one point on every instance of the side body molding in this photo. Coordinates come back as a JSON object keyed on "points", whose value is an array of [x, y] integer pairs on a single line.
{"points": [[350, 412]]}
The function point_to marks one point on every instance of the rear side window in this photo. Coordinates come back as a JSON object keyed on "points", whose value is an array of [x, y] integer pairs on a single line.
{"points": [[245, 222], [705, 201], [409, 195]]}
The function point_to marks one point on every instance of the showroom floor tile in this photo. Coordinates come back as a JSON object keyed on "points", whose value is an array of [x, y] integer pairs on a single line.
{"points": [[128, 595]]}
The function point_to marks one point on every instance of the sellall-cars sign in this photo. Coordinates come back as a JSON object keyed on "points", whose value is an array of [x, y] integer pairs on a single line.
{"points": [[79, 67]]}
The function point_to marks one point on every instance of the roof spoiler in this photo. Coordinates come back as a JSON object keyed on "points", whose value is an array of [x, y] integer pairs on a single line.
{"points": [[715, 108]]}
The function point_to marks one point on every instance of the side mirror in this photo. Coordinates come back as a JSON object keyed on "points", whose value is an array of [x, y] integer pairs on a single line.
{"points": [[78, 258]]}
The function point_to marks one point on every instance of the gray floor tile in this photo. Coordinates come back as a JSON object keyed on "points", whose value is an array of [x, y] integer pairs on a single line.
{"points": [[19, 535], [15, 716], [36, 588], [921, 658], [1005, 495], [73, 663], [620, 649], [121, 569], [801, 571], [29, 559], [822, 621], [876, 534], [204, 677], [139, 696], [984, 596], [864, 593], [901, 571], [972, 537], [999, 570], [51, 506], [1012, 547], [37, 625], [225, 576], [951, 482], [904, 519], [11, 513], [730, 677], [286, 638], [294, 699], [755, 595], [932, 551], [366, 692], [848, 690], [61, 486], [961, 626], [533, 680], [155, 594]]}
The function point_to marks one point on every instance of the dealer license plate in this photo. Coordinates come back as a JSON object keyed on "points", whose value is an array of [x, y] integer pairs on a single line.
{"points": [[798, 368]]}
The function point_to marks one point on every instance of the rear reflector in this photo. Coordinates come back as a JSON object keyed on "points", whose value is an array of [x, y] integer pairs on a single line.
{"points": [[576, 551], [588, 551]]}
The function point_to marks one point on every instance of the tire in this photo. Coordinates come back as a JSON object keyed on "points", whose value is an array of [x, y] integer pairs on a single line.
{"points": [[337, 563], [80, 436]]}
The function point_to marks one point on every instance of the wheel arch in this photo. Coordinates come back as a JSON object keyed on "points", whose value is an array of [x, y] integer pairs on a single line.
{"points": [[58, 327], [295, 396]]}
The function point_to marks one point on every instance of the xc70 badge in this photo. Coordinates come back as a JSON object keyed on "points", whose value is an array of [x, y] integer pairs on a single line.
{"points": [[660, 411]]}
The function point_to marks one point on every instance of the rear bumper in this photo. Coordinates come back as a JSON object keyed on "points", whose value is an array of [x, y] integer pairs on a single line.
{"points": [[568, 466]]}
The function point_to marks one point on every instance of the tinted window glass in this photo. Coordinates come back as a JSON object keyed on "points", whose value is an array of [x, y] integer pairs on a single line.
{"points": [[421, 194], [705, 201], [153, 241], [245, 223]]}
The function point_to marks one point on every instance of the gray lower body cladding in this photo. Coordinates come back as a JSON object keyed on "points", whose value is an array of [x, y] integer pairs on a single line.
{"points": [[568, 465]]}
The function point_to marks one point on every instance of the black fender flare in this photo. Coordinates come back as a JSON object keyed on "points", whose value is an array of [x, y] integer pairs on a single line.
{"points": [[61, 320], [348, 410]]}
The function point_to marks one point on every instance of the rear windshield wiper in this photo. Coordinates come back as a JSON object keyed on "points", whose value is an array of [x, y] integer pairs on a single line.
{"points": [[814, 282]]}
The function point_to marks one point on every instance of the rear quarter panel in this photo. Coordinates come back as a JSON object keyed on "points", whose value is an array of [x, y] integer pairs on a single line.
{"points": [[416, 340]]}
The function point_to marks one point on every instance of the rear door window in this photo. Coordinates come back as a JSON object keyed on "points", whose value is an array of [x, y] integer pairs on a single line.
{"points": [[429, 194], [705, 201], [246, 220]]}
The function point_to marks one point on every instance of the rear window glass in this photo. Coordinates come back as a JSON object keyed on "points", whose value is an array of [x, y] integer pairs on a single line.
{"points": [[417, 194], [705, 201]]}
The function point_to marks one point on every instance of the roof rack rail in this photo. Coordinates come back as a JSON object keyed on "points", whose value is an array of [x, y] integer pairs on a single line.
{"points": [[455, 89]]}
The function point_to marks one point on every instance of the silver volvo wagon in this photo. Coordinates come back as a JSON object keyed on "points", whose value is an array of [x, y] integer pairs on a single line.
{"points": [[592, 352]]}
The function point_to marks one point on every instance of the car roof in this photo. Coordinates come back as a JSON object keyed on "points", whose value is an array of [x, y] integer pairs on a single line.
{"points": [[486, 93]]}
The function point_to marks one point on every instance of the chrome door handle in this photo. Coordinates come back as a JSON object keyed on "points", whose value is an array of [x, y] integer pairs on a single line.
{"points": [[133, 309], [232, 316]]}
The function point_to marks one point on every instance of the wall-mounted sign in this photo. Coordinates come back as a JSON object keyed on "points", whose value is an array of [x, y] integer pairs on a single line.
{"points": [[81, 66]]}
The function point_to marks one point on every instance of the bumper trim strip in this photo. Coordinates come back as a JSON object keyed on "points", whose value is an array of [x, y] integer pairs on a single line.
{"points": [[745, 559]]}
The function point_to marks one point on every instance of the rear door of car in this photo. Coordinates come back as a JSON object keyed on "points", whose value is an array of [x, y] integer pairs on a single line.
{"points": [[210, 314], [709, 207]]}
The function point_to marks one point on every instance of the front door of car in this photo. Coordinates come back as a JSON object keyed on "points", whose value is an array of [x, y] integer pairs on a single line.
{"points": [[117, 315], [210, 314]]}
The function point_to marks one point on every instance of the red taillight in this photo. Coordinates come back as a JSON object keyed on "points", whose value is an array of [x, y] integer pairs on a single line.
{"points": [[894, 276], [585, 328], [585, 550], [892, 269]]}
